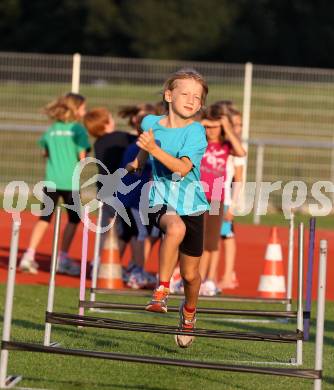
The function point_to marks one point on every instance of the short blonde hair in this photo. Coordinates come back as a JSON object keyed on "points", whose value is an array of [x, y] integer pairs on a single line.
{"points": [[65, 108], [96, 120], [182, 74]]}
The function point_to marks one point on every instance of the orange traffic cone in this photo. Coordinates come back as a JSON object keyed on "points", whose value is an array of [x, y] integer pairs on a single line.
{"points": [[272, 281], [110, 268]]}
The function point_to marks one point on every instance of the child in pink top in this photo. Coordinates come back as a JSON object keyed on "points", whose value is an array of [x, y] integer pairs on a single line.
{"points": [[222, 141]]}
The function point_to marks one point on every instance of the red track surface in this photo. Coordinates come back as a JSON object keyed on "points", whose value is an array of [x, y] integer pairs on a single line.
{"points": [[252, 241]]}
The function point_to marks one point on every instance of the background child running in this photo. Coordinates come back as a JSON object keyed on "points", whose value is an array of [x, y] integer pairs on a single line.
{"points": [[176, 144], [109, 148], [222, 142], [64, 143], [138, 233], [234, 175]]}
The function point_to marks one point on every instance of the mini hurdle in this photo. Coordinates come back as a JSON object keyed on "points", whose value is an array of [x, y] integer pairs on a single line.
{"points": [[7, 345], [52, 317], [285, 301]]}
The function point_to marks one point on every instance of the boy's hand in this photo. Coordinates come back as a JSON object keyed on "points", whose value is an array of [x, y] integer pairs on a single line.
{"points": [[146, 141], [132, 166]]}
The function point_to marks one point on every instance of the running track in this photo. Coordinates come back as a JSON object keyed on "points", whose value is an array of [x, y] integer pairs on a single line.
{"points": [[252, 241]]}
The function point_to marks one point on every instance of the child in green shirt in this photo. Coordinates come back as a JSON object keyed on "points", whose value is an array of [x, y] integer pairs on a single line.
{"points": [[64, 143]]}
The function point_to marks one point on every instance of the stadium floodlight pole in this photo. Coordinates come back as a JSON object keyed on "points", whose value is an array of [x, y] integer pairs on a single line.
{"points": [[300, 316], [82, 290], [52, 281], [290, 261], [97, 247], [76, 73], [5, 381], [309, 279], [319, 340]]}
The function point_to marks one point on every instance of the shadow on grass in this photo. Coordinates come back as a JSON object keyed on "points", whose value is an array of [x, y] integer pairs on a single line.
{"points": [[95, 385], [251, 327]]}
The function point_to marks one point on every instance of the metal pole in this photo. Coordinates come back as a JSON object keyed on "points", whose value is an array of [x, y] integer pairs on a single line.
{"points": [[258, 180], [7, 320], [309, 278], [52, 281], [319, 340], [76, 73], [246, 110], [290, 261], [84, 251], [97, 245], [300, 292]]}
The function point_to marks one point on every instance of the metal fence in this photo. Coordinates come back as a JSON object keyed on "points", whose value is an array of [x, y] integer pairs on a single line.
{"points": [[278, 103]]}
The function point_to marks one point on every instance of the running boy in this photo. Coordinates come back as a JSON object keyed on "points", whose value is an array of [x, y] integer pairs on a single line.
{"points": [[175, 144]]}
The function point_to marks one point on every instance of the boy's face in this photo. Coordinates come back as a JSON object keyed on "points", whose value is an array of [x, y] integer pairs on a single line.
{"points": [[185, 98], [110, 126]]}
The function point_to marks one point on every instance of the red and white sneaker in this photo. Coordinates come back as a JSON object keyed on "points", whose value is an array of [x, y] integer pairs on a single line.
{"points": [[187, 323], [158, 302]]}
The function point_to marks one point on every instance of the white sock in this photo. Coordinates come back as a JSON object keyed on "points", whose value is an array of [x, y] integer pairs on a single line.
{"points": [[31, 252]]}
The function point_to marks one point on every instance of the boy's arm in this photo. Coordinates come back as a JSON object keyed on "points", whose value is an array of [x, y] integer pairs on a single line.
{"points": [[177, 165], [137, 165]]}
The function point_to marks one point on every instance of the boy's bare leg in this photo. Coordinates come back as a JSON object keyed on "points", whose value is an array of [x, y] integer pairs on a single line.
{"points": [[137, 248], [68, 236], [213, 267], [38, 233], [174, 229], [189, 267], [230, 253], [204, 265], [230, 249]]}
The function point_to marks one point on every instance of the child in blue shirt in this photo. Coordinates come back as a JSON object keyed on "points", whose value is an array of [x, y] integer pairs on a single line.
{"points": [[175, 144]]}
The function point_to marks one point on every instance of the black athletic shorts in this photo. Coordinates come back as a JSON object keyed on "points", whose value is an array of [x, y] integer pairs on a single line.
{"points": [[73, 215], [137, 228], [192, 244]]}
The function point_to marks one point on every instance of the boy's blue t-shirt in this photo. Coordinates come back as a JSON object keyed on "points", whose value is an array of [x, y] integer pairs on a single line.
{"points": [[184, 194]]}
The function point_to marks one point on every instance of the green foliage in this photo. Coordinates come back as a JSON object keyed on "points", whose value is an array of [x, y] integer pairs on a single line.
{"points": [[261, 31]]}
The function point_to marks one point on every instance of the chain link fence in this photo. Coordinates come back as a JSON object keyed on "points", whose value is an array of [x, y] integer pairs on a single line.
{"points": [[290, 104]]}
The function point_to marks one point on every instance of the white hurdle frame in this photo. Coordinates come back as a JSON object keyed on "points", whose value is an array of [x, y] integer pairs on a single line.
{"points": [[52, 281], [97, 248], [7, 382], [7, 320], [319, 338], [290, 262], [300, 314]]}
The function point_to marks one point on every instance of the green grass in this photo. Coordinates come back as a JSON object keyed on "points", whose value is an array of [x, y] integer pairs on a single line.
{"points": [[278, 219], [70, 373]]}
